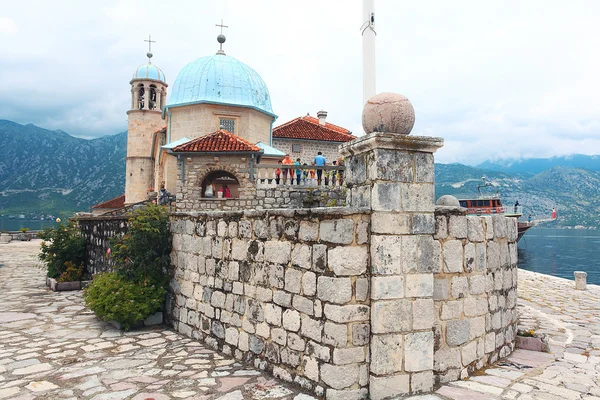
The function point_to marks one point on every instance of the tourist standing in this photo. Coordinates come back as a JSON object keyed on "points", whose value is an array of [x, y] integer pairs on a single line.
{"points": [[298, 171], [209, 191], [278, 173], [287, 161], [553, 213], [319, 161]]}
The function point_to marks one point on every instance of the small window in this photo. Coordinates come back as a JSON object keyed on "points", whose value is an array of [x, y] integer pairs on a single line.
{"points": [[227, 124], [296, 148]]}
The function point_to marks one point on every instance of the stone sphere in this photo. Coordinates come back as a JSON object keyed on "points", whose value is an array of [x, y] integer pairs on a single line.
{"points": [[388, 112], [448, 201]]}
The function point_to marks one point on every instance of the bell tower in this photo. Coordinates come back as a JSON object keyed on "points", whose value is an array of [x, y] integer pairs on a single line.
{"points": [[148, 97]]}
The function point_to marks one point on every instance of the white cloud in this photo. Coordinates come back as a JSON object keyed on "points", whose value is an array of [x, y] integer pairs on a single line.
{"points": [[8, 26], [493, 79]]}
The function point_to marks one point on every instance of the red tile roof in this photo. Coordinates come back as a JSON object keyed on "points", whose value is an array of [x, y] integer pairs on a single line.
{"points": [[217, 142], [308, 128], [117, 202]]}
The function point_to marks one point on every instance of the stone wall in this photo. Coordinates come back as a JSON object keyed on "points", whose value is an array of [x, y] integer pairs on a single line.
{"points": [[283, 196], [97, 232], [475, 292], [286, 290]]}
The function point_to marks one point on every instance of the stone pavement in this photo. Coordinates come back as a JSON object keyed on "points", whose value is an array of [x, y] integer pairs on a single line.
{"points": [[52, 347]]}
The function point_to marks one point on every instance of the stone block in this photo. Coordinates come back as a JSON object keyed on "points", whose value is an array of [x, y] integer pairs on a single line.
{"points": [[423, 314], [387, 287], [441, 289], [277, 252], [386, 197], [422, 382], [295, 342], [362, 232], [302, 256], [451, 310], [282, 298], [351, 355], [334, 290], [457, 332], [390, 223], [319, 260], [418, 197], [441, 227], [310, 366], [361, 289], [303, 304], [390, 316], [457, 227], [339, 231], [309, 231], [423, 224], [475, 306], [475, 229], [335, 334], [386, 255], [453, 256], [418, 351], [360, 334], [424, 167], [293, 280], [477, 284], [391, 165], [356, 394], [291, 320], [447, 358], [347, 313], [339, 376], [500, 226], [311, 328], [469, 353], [476, 327], [309, 283], [348, 261], [386, 387], [460, 286], [386, 354], [419, 285], [273, 314]]}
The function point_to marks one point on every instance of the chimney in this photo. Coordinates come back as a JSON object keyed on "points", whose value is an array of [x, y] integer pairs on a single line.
{"points": [[322, 115]]}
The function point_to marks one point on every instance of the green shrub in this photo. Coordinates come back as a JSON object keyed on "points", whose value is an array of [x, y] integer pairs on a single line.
{"points": [[115, 298], [143, 253], [72, 273], [24, 230], [60, 245]]}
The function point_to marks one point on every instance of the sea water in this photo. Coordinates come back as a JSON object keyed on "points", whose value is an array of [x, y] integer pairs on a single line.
{"points": [[560, 252]]}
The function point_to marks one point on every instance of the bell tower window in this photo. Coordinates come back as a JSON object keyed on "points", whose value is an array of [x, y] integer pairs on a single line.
{"points": [[152, 105], [228, 124], [141, 96]]}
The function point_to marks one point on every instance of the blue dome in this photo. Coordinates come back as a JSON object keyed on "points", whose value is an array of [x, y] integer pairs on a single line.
{"points": [[149, 71], [220, 79]]}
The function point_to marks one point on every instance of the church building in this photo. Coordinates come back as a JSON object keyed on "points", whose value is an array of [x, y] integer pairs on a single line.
{"points": [[216, 125]]}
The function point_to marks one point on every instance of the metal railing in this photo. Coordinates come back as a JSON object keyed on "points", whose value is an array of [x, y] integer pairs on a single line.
{"points": [[298, 175]]}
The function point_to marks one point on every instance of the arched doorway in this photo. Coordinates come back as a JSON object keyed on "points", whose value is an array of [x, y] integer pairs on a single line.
{"points": [[221, 181]]}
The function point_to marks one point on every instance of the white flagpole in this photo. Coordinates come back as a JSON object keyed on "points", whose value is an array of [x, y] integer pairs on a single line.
{"points": [[368, 46]]}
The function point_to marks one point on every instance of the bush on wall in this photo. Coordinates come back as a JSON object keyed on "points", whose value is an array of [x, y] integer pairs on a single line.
{"points": [[61, 245], [136, 288]]}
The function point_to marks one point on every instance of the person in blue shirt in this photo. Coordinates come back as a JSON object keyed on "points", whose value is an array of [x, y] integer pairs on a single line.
{"points": [[319, 162]]}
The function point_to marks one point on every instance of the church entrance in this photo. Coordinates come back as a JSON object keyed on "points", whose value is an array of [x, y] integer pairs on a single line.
{"points": [[220, 184]]}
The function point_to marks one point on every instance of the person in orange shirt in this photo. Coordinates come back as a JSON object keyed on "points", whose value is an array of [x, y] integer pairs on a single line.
{"points": [[287, 161]]}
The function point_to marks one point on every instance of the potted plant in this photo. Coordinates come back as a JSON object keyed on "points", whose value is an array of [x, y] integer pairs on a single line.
{"points": [[530, 340]]}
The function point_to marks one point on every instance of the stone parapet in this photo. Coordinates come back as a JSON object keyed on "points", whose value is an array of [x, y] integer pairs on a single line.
{"points": [[97, 232]]}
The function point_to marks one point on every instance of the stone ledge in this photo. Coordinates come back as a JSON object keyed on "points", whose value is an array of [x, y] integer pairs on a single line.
{"points": [[283, 212], [392, 141]]}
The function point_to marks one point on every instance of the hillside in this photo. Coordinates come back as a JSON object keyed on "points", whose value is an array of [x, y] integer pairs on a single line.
{"points": [[51, 172], [571, 191], [537, 165]]}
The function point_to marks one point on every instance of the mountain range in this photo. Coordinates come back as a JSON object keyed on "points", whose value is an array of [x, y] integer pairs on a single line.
{"points": [[46, 172]]}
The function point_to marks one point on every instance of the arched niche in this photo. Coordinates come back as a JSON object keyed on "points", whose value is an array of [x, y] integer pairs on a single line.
{"points": [[221, 179]]}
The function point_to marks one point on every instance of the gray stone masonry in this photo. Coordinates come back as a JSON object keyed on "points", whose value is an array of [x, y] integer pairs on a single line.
{"points": [[286, 290], [97, 232]]}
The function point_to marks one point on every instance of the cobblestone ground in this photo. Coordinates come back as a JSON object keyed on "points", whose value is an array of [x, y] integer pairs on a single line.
{"points": [[52, 347]]}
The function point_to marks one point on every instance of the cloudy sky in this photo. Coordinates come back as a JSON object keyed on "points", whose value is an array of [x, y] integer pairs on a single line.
{"points": [[494, 79]]}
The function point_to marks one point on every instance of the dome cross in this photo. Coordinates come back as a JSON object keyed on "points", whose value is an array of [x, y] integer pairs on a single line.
{"points": [[150, 41], [221, 38]]}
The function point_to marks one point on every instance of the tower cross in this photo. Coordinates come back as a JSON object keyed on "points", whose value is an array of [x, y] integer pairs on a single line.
{"points": [[150, 41], [222, 26]]}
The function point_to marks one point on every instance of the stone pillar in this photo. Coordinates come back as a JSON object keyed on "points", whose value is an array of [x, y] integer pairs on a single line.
{"points": [[392, 174], [146, 97], [580, 280]]}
